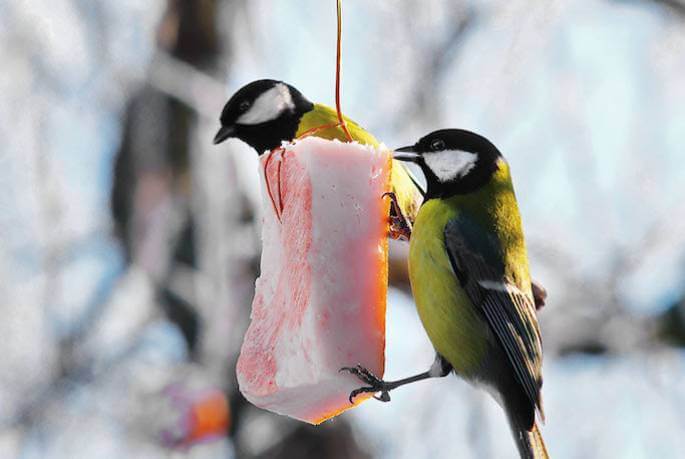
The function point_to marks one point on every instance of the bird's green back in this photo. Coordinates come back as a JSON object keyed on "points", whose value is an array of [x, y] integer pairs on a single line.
{"points": [[322, 115], [452, 322]]}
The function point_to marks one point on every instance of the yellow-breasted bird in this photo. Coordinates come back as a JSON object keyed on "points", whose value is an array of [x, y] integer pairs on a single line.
{"points": [[469, 275], [265, 113]]}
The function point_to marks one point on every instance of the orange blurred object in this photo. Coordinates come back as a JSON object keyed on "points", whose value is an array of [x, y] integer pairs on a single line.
{"points": [[209, 417], [201, 416]]}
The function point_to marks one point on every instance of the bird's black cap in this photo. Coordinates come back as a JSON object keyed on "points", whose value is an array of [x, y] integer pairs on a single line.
{"points": [[454, 161], [263, 114]]}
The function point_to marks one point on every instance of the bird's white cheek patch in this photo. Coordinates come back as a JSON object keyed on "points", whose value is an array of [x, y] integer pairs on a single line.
{"points": [[268, 106], [450, 164]]}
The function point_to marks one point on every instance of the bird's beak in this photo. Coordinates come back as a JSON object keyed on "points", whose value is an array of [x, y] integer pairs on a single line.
{"points": [[406, 154], [224, 133]]}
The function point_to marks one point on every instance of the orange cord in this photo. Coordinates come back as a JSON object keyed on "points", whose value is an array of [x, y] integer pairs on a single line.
{"points": [[341, 121], [338, 59], [278, 209]]}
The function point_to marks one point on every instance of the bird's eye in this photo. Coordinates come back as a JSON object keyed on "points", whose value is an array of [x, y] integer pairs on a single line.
{"points": [[244, 105], [437, 145]]}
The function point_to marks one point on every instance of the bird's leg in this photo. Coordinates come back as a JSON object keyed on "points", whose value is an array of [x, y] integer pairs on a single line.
{"points": [[400, 226], [539, 294], [438, 369]]}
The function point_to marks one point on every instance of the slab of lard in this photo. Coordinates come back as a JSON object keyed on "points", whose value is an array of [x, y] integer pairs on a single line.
{"points": [[319, 303]]}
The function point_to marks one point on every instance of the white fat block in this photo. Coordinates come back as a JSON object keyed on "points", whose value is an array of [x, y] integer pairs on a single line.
{"points": [[319, 303]]}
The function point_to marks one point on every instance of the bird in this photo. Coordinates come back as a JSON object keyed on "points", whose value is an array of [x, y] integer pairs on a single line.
{"points": [[265, 113], [468, 269]]}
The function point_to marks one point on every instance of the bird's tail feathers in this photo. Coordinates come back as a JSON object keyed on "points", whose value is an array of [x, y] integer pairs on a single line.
{"points": [[530, 443]]}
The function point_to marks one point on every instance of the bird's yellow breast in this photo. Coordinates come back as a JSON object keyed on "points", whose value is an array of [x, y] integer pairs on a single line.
{"points": [[451, 321]]}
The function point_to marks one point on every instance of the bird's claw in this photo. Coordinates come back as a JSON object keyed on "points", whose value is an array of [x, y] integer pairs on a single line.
{"points": [[400, 228], [374, 384]]}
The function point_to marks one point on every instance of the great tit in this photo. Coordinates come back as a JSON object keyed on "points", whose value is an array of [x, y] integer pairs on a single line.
{"points": [[468, 269], [265, 113]]}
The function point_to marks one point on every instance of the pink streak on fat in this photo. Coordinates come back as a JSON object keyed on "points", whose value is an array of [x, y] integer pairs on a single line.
{"points": [[273, 308]]}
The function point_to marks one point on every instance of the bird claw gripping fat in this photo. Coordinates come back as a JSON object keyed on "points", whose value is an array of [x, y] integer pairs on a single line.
{"points": [[319, 303]]}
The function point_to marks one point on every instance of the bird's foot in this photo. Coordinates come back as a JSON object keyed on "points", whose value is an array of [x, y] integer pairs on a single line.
{"points": [[399, 230], [400, 227], [374, 384]]}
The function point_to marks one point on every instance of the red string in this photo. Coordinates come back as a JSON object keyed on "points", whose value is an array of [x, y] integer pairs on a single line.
{"points": [[268, 184], [278, 172]]}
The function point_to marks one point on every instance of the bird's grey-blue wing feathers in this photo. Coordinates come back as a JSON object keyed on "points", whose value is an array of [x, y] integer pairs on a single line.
{"points": [[477, 259]]}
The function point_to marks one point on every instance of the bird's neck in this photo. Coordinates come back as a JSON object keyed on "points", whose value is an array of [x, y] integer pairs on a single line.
{"points": [[267, 136]]}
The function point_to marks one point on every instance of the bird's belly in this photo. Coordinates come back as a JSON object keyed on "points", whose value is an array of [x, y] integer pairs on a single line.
{"points": [[451, 321]]}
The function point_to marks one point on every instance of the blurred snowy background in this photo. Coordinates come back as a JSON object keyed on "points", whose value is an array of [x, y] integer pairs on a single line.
{"points": [[129, 244]]}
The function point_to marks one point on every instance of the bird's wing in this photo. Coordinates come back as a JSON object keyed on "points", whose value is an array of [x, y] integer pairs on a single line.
{"points": [[478, 263]]}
